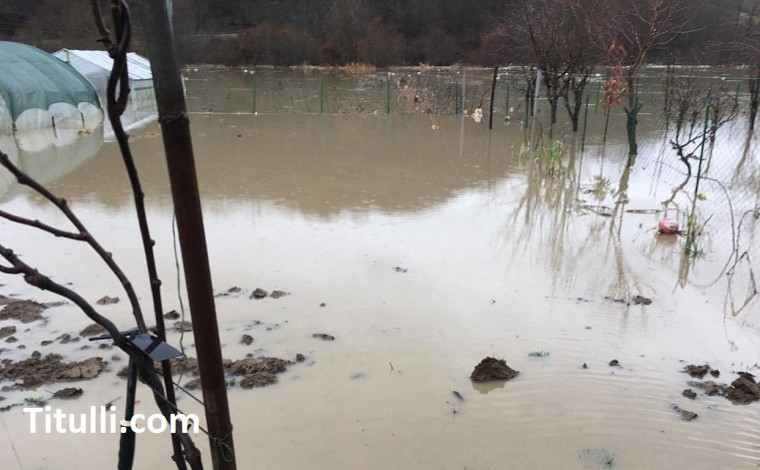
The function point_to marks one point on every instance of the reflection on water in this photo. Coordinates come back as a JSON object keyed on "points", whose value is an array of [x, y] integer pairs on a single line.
{"points": [[44, 158], [501, 258]]}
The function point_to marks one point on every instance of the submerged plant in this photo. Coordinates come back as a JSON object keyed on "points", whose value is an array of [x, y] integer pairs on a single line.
{"points": [[539, 354], [35, 401]]}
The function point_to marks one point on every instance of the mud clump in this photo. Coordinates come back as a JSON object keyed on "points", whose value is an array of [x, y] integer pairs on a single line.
{"points": [[7, 331], [276, 294], [38, 370], [615, 363], [689, 393], [323, 336], [493, 369], [68, 393], [247, 340], [106, 300], [259, 293], [173, 315], [92, 330], [697, 371], [742, 391], [25, 311], [685, 414], [258, 372]]}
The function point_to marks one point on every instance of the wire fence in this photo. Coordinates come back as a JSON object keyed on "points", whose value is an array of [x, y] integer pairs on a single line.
{"points": [[695, 161]]}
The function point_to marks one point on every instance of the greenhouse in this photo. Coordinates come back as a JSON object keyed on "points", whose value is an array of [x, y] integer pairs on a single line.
{"points": [[96, 67], [43, 101]]}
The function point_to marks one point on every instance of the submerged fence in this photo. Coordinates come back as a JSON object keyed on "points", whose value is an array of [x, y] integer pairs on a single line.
{"points": [[696, 159]]}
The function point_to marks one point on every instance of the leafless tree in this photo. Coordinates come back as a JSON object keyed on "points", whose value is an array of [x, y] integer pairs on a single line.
{"points": [[637, 27]]}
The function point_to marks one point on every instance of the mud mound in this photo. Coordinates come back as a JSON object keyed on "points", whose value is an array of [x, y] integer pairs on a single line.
{"points": [[493, 369], [38, 370]]}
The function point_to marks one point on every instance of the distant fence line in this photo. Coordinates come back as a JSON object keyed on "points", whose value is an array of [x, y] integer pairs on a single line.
{"points": [[439, 91]]}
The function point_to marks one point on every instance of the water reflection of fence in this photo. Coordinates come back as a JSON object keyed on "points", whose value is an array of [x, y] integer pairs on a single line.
{"points": [[724, 209]]}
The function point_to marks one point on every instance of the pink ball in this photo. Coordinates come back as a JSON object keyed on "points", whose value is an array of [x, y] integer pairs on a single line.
{"points": [[668, 226]]}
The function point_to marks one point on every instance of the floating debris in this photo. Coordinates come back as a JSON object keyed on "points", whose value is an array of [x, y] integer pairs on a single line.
{"points": [[173, 315], [247, 340], [323, 336], [106, 300]]}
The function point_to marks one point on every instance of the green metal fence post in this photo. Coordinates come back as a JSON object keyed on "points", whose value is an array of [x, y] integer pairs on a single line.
{"points": [[506, 108], [585, 123], [388, 96], [736, 96], [598, 93], [253, 94], [702, 152], [321, 96], [456, 99]]}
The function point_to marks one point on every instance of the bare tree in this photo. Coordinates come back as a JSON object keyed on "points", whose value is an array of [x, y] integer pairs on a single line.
{"points": [[639, 27]]}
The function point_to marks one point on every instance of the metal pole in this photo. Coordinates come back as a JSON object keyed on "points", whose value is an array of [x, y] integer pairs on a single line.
{"points": [[388, 95], [701, 152], [456, 99], [321, 96], [175, 127], [253, 94], [506, 107], [464, 91], [598, 92], [493, 95], [585, 122]]}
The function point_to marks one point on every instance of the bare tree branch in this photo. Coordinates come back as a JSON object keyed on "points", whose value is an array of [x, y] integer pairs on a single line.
{"points": [[41, 226], [61, 204]]}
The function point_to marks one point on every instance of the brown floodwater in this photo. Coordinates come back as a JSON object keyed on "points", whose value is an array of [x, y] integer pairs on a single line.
{"points": [[499, 257]]}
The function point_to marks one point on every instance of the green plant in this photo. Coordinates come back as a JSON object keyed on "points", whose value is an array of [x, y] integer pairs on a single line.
{"points": [[539, 354], [35, 401]]}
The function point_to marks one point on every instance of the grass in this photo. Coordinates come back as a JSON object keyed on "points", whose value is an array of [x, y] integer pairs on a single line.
{"points": [[539, 354], [358, 67], [34, 401]]}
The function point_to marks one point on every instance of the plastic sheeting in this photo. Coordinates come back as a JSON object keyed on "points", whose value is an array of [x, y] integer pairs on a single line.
{"points": [[96, 67]]}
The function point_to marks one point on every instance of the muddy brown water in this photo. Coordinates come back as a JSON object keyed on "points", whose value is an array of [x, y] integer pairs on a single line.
{"points": [[497, 259]]}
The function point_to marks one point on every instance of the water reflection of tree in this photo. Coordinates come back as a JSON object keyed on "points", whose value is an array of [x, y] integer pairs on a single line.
{"points": [[543, 218]]}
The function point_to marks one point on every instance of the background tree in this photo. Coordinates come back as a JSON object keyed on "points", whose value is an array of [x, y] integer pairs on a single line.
{"points": [[639, 27]]}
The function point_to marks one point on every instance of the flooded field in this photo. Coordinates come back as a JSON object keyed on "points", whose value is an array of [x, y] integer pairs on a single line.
{"points": [[422, 244]]}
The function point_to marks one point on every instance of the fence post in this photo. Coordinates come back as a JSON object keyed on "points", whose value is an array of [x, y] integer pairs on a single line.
{"points": [[736, 96], [456, 99], [321, 96], [388, 95], [493, 96], [253, 94], [585, 122], [598, 92], [506, 107], [702, 151]]}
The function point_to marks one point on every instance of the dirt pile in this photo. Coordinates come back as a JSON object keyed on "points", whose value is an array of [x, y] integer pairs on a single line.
{"points": [[38, 370], [742, 391], [493, 369], [25, 311]]}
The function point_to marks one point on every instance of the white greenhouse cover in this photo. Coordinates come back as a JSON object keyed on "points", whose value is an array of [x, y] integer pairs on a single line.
{"points": [[96, 67]]}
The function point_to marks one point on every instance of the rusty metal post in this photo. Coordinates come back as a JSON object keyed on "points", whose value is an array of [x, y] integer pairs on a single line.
{"points": [[175, 127]]}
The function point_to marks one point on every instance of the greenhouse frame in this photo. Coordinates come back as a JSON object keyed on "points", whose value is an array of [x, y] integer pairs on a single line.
{"points": [[96, 67]]}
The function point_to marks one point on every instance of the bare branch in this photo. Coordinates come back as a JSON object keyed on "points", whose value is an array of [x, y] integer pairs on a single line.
{"points": [[42, 226], [61, 204]]}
